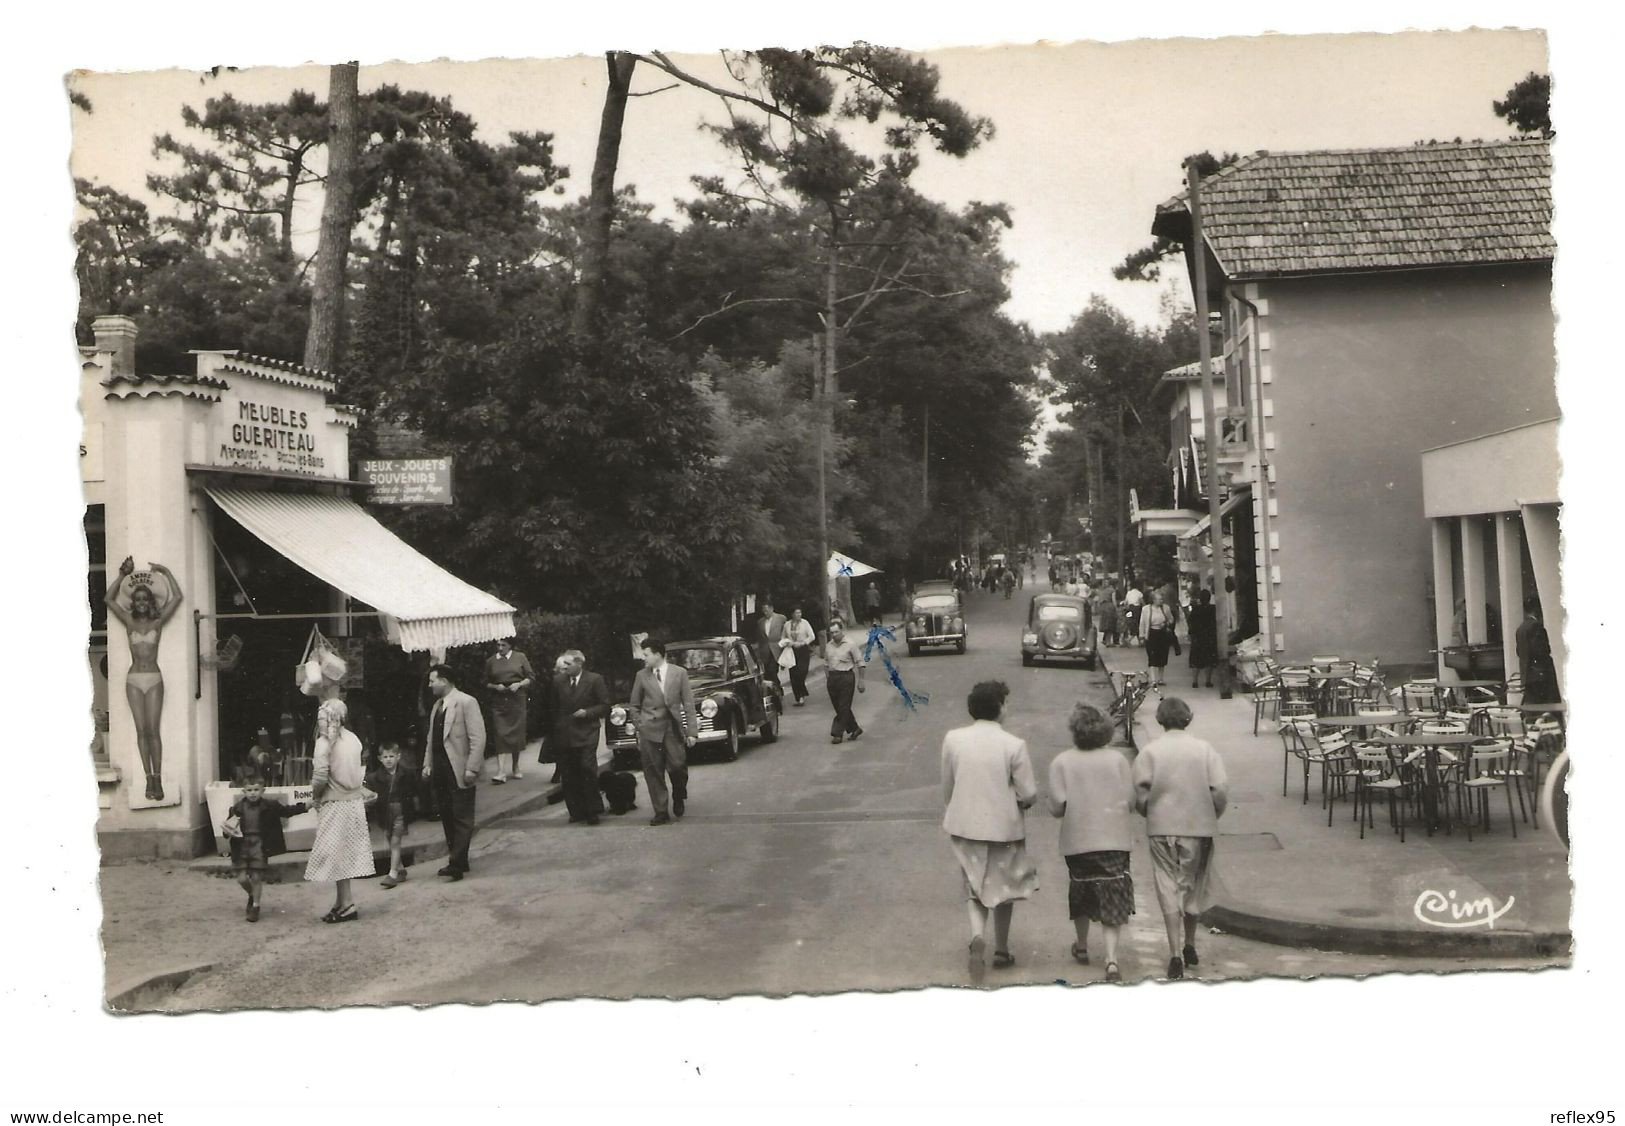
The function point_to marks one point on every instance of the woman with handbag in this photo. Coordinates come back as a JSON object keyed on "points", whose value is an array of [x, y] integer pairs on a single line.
{"points": [[1157, 623], [342, 850]]}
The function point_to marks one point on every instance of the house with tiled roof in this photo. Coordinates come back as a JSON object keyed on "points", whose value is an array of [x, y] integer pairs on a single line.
{"points": [[1376, 304]]}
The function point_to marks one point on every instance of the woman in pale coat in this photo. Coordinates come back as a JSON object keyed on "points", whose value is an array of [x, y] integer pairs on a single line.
{"points": [[343, 848], [987, 780], [1091, 789]]}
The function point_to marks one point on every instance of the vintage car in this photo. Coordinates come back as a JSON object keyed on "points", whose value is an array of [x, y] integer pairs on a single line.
{"points": [[935, 617], [1059, 628], [730, 693]]}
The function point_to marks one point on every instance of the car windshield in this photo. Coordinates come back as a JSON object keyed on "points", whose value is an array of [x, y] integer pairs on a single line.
{"points": [[1060, 612], [703, 660], [935, 603]]}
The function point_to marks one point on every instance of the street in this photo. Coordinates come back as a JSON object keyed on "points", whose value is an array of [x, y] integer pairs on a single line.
{"points": [[801, 868]]}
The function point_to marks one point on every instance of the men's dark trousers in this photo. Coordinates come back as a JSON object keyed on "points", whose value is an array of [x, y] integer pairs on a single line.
{"points": [[456, 805], [581, 796], [667, 757], [842, 685], [798, 674]]}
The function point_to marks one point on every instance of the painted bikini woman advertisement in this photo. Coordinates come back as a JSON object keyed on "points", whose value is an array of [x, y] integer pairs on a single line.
{"points": [[139, 608]]}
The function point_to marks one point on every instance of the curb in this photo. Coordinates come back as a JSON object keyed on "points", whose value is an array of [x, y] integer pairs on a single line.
{"points": [[117, 1000], [1246, 922], [411, 854]]}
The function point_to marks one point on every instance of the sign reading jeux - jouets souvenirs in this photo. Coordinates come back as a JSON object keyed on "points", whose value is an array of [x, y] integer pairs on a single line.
{"points": [[264, 428], [425, 480]]}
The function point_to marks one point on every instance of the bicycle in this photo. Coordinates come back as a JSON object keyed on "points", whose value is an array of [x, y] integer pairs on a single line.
{"points": [[1129, 691]]}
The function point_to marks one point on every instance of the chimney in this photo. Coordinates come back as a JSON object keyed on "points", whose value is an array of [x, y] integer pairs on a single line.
{"points": [[116, 334]]}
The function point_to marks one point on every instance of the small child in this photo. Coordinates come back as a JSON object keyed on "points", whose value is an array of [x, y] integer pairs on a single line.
{"points": [[396, 787], [255, 830]]}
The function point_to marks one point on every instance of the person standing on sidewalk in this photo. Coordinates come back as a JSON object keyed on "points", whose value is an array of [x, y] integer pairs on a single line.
{"points": [[1091, 788], [580, 703], [1182, 791], [342, 850], [1203, 623], [871, 604], [508, 677], [844, 663], [451, 762], [668, 726], [987, 781], [1157, 623], [799, 638]]}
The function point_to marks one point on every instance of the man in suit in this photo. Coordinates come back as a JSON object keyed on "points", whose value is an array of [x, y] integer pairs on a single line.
{"points": [[580, 702], [668, 725], [452, 759], [767, 649]]}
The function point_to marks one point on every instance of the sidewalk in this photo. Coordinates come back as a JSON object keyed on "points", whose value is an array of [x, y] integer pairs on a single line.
{"points": [[1286, 877]]}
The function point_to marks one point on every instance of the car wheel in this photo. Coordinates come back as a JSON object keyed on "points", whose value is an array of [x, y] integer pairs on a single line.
{"points": [[1026, 660], [913, 649], [769, 731], [730, 749], [1089, 664], [959, 646]]}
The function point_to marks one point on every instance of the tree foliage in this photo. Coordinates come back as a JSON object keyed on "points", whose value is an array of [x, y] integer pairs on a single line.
{"points": [[1145, 264], [1528, 105]]}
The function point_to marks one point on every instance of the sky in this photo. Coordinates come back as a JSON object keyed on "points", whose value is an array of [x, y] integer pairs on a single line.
{"points": [[1083, 177], [1089, 136]]}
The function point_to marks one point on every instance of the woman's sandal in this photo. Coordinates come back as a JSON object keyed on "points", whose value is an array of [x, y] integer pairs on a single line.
{"points": [[1080, 954], [1003, 959], [348, 915], [1112, 972]]}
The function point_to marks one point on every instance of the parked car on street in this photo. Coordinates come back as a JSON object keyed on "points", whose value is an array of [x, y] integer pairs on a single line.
{"points": [[935, 617], [731, 694], [1060, 627]]}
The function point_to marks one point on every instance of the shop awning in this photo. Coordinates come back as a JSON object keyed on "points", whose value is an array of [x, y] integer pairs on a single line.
{"points": [[423, 605], [1235, 501]]}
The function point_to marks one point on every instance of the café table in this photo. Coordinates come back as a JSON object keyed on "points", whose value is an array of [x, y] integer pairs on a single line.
{"points": [[1430, 746], [1498, 687], [1357, 722]]}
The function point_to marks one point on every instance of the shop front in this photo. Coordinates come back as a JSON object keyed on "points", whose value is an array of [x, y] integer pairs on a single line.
{"points": [[228, 492]]}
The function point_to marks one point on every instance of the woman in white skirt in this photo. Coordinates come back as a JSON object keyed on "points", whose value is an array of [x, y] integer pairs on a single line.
{"points": [[343, 848]]}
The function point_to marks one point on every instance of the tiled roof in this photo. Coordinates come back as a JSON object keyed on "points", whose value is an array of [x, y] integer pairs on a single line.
{"points": [[193, 386], [1453, 204]]}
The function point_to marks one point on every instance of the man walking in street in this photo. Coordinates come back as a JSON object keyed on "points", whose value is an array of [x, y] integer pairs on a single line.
{"points": [[844, 670], [668, 725], [580, 702], [452, 763], [767, 651], [871, 604]]}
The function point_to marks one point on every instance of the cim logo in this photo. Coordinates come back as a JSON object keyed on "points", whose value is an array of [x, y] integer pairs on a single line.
{"points": [[1438, 909]]}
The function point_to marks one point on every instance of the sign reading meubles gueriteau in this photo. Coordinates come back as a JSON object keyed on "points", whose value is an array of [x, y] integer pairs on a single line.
{"points": [[424, 480], [265, 428]]}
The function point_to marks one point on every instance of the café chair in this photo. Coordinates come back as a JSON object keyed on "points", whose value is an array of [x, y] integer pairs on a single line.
{"points": [[1486, 766], [1382, 772]]}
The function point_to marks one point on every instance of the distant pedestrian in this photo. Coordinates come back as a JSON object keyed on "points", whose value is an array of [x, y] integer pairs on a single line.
{"points": [[987, 781], [668, 726], [1203, 623], [1182, 791], [451, 761], [871, 604], [799, 638], [1157, 623], [844, 663], [508, 677], [580, 703], [396, 787], [1130, 607], [1091, 788], [1007, 581], [254, 832], [342, 850], [1105, 608]]}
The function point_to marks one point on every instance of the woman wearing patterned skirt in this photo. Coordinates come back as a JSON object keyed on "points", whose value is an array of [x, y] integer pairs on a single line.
{"points": [[1091, 789], [987, 780], [343, 849]]}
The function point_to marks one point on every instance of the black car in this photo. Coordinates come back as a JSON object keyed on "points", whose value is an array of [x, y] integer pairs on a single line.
{"points": [[1060, 627], [935, 617], [730, 693]]}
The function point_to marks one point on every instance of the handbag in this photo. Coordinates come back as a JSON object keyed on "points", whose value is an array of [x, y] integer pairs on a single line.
{"points": [[787, 658]]}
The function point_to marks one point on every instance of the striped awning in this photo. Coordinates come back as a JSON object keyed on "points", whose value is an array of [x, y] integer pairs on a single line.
{"points": [[424, 606]]}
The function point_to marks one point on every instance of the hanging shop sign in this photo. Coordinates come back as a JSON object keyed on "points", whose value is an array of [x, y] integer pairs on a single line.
{"points": [[424, 480]]}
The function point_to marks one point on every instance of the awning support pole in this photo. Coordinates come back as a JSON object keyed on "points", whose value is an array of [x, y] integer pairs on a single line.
{"points": [[1210, 433]]}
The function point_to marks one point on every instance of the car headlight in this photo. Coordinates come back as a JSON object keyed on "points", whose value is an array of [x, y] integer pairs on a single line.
{"points": [[959, 624], [708, 708], [617, 715]]}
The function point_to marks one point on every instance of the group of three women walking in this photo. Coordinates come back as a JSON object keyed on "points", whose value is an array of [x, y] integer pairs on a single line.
{"points": [[1177, 782]]}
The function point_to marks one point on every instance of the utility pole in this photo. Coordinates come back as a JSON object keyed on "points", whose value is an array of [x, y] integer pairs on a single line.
{"points": [[925, 462], [821, 408], [1210, 433]]}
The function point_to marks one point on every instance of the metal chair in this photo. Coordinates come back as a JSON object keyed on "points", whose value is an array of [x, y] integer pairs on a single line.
{"points": [[1295, 733], [1485, 768], [1419, 695], [1266, 697], [1381, 771], [1330, 752]]}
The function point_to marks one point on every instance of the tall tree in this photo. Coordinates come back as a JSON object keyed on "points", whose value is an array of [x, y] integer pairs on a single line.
{"points": [[338, 218], [1528, 105], [601, 196], [1145, 264]]}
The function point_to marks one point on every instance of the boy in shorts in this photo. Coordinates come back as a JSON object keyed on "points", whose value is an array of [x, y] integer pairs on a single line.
{"points": [[396, 787]]}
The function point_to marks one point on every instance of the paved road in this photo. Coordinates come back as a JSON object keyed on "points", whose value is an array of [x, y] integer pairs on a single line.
{"points": [[802, 867]]}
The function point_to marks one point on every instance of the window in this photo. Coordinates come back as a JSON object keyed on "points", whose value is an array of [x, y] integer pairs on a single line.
{"points": [[1060, 612]]}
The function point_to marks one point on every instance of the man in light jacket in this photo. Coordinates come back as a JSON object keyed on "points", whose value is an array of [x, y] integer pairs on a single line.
{"points": [[451, 761], [668, 726]]}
